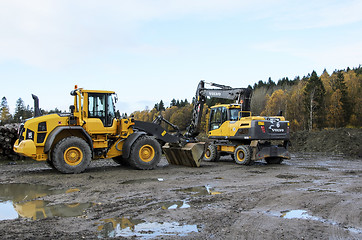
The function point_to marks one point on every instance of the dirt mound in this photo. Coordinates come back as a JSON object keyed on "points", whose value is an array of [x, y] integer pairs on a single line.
{"points": [[345, 141]]}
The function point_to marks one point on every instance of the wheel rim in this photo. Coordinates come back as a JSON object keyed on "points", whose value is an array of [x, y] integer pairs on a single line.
{"points": [[240, 156], [147, 153], [73, 156], [207, 153]]}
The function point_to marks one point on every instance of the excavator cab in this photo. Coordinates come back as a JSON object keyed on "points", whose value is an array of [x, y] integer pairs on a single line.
{"points": [[220, 114]]}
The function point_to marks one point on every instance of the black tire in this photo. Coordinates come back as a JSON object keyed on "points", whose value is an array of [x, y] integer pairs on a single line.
{"points": [[145, 153], [50, 164], [121, 161], [242, 155], [211, 154], [274, 160], [71, 155]]}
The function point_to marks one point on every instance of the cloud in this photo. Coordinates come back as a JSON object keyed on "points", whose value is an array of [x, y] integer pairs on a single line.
{"points": [[329, 55], [297, 15], [53, 34]]}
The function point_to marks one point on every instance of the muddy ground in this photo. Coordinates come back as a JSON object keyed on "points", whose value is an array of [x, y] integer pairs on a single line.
{"points": [[308, 197]]}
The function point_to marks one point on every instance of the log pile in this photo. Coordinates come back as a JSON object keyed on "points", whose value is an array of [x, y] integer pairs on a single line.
{"points": [[8, 136]]}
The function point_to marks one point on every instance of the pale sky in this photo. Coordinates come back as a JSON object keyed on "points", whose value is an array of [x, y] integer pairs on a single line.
{"points": [[148, 50]]}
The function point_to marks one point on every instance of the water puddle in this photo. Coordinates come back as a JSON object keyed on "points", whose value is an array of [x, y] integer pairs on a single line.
{"points": [[199, 191], [144, 180], [128, 227], [318, 190], [22, 200], [303, 214], [175, 205]]}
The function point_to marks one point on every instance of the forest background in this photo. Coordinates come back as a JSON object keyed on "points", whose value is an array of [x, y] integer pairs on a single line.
{"points": [[310, 102]]}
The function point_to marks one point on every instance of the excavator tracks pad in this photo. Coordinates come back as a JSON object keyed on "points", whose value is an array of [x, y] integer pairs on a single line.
{"points": [[189, 155]]}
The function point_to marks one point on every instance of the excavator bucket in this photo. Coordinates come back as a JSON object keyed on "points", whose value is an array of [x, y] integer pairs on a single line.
{"points": [[189, 155]]}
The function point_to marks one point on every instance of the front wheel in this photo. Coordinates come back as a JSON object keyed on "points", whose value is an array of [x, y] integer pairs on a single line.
{"points": [[145, 153], [242, 155], [211, 154], [71, 155]]}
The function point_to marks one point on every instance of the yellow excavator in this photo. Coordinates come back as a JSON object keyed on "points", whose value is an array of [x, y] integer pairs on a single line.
{"points": [[68, 141], [232, 130]]}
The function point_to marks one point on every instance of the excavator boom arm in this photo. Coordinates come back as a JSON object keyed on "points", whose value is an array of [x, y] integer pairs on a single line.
{"points": [[241, 95]]}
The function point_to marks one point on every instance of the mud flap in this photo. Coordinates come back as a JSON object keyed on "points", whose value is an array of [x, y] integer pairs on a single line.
{"points": [[189, 155]]}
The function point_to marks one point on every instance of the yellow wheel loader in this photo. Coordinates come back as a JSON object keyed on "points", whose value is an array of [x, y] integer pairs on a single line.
{"points": [[68, 141], [232, 130]]}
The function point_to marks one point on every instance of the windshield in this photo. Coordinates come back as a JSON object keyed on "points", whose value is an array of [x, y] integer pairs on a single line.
{"points": [[234, 114]]}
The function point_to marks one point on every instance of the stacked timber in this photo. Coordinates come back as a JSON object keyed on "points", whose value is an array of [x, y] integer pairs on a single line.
{"points": [[8, 136]]}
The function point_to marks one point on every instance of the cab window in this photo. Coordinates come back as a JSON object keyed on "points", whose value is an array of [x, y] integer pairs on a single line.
{"points": [[111, 114], [101, 106], [234, 114], [217, 117]]}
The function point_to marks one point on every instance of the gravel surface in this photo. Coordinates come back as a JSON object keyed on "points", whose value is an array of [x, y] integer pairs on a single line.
{"points": [[311, 196]]}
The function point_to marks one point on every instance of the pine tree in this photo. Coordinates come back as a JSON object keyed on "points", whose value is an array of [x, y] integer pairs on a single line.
{"points": [[314, 101], [161, 106], [338, 83], [173, 102], [5, 112], [19, 110]]}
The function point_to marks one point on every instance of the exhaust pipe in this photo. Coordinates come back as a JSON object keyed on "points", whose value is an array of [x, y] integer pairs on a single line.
{"points": [[37, 111]]}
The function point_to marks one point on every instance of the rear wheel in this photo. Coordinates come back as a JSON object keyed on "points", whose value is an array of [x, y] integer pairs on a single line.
{"points": [[274, 160], [211, 154], [242, 155], [71, 155], [145, 153]]}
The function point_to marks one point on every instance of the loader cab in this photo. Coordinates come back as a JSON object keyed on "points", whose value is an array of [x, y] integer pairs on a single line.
{"points": [[95, 110], [101, 105]]}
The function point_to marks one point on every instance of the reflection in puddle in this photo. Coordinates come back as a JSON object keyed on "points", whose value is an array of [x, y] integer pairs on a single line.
{"points": [[318, 190], [21, 200], [303, 214], [174, 205], [127, 227], [199, 191], [7, 211], [39, 209], [143, 180]]}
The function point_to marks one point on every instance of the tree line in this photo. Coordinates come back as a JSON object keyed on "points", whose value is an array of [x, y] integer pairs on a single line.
{"points": [[313, 102], [309, 102], [22, 112]]}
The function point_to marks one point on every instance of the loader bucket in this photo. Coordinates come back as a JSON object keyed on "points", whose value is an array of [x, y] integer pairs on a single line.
{"points": [[189, 155]]}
